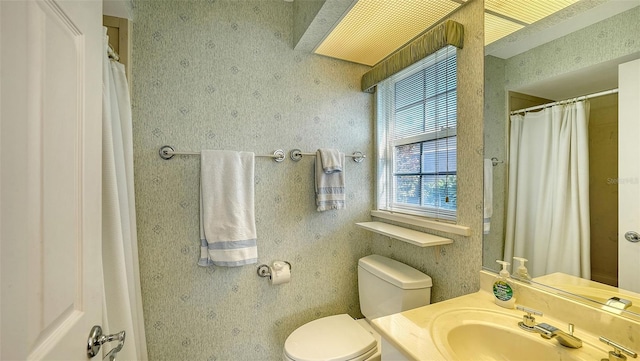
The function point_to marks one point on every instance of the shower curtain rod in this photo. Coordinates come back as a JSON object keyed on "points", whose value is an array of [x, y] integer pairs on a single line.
{"points": [[583, 97]]}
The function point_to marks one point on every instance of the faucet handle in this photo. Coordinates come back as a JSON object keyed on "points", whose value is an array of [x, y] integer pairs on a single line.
{"points": [[529, 311], [616, 354], [528, 321]]}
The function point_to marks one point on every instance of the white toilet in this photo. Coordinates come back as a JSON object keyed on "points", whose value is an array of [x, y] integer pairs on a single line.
{"points": [[385, 287]]}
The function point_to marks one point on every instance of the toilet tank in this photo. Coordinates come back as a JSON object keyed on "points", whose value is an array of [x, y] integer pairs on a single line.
{"points": [[387, 286]]}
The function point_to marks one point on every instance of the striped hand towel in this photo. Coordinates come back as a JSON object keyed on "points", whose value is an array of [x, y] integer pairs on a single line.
{"points": [[329, 184], [227, 215]]}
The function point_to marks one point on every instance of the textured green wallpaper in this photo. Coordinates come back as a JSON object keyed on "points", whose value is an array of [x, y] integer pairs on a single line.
{"points": [[222, 75], [454, 268], [606, 40], [494, 146]]}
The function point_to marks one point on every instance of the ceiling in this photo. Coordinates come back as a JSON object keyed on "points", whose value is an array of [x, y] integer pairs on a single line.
{"points": [[370, 30]]}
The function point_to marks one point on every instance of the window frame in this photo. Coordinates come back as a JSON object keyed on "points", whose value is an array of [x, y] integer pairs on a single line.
{"points": [[385, 150]]}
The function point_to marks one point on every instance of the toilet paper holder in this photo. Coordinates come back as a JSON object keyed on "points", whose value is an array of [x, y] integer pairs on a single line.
{"points": [[265, 271]]}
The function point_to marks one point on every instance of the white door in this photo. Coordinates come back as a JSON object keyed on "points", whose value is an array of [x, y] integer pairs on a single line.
{"points": [[629, 175], [50, 177]]}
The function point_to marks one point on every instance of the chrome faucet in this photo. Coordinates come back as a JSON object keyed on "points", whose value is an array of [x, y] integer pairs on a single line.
{"points": [[547, 331], [565, 339]]}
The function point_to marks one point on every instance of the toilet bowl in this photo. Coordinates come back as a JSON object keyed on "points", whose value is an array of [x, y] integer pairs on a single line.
{"points": [[335, 338], [385, 287]]}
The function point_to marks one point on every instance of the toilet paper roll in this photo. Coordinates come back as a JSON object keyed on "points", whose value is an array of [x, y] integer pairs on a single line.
{"points": [[280, 273]]}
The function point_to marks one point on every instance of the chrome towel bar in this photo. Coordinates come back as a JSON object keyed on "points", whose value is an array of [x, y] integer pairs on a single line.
{"points": [[167, 152], [296, 155]]}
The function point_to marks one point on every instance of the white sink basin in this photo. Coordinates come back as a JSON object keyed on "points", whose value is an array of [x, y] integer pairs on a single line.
{"points": [[480, 334]]}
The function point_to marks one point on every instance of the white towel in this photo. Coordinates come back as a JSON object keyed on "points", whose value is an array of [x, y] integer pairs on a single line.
{"points": [[329, 186], [488, 194], [332, 160], [227, 215]]}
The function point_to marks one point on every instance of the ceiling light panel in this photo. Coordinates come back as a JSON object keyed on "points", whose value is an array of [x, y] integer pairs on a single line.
{"points": [[373, 29], [527, 11], [496, 28]]}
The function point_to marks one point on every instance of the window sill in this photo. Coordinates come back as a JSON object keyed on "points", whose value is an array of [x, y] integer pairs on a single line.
{"points": [[422, 222], [416, 238]]}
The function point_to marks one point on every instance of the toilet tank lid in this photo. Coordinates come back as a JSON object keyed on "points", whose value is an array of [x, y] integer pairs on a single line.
{"points": [[394, 272]]}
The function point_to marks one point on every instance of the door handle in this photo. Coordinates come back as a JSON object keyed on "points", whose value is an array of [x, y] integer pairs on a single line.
{"points": [[632, 236], [96, 339]]}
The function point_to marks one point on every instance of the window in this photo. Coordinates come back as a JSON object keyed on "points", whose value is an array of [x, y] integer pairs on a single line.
{"points": [[416, 134]]}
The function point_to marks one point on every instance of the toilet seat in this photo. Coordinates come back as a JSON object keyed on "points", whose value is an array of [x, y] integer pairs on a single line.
{"points": [[332, 338]]}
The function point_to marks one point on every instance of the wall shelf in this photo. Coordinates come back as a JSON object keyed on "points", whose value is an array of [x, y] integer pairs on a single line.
{"points": [[416, 238]]}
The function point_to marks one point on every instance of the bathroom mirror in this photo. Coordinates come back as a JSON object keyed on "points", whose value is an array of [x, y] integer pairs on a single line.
{"points": [[571, 53]]}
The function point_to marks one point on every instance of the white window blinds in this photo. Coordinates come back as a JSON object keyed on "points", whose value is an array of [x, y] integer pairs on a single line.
{"points": [[416, 133]]}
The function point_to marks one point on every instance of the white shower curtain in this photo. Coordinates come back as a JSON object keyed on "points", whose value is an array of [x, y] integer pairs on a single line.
{"points": [[123, 302], [548, 200]]}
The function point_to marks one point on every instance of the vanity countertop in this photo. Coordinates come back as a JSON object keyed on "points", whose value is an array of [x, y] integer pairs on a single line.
{"points": [[414, 333]]}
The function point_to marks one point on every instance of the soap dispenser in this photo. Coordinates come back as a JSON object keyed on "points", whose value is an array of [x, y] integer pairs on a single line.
{"points": [[521, 272], [502, 289]]}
